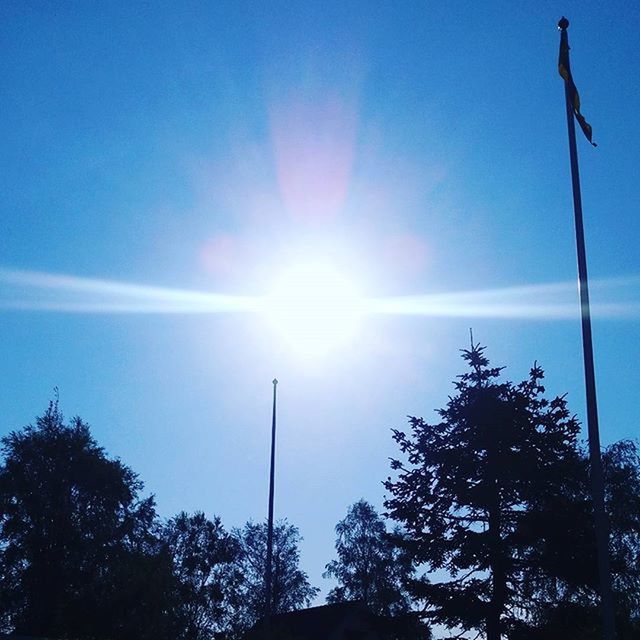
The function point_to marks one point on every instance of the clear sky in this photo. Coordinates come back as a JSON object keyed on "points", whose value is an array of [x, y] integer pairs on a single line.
{"points": [[417, 147]]}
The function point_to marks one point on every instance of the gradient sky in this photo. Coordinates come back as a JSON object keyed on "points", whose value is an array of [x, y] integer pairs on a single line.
{"points": [[203, 146]]}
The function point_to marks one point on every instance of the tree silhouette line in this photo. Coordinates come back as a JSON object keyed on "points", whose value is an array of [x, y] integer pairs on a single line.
{"points": [[487, 533]]}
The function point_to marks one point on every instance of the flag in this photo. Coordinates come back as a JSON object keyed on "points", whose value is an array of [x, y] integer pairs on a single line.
{"points": [[564, 68]]}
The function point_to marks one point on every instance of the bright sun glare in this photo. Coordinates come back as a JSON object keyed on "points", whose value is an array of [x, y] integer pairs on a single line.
{"points": [[315, 308]]}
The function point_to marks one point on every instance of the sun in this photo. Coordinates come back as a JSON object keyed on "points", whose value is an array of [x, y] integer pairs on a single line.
{"points": [[314, 307]]}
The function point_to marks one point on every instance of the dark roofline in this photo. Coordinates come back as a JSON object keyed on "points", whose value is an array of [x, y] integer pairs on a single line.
{"points": [[348, 604]]}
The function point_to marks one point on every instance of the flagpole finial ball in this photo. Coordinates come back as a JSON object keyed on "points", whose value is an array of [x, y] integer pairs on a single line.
{"points": [[563, 23], [275, 382]]}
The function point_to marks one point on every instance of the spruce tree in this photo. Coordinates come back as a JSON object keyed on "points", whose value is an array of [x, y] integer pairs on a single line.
{"points": [[466, 488]]}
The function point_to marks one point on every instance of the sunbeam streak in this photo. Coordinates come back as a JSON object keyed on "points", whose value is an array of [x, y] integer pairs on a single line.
{"points": [[553, 301], [34, 291], [46, 292], [435, 306]]}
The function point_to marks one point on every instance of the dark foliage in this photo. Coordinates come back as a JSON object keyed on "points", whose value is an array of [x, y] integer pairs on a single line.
{"points": [[291, 589], [207, 578], [622, 477], [373, 569], [562, 579], [468, 487], [78, 554]]}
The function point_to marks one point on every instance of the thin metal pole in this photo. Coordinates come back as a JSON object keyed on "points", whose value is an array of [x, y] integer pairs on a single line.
{"points": [[268, 574], [597, 478]]}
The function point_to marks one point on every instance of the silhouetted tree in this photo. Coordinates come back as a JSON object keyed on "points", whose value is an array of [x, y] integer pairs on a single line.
{"points": [[78, 554], [204, 558], [562, 578], [621, 463], [291, 589], [467, 486], [369, 568], [373, 569]]}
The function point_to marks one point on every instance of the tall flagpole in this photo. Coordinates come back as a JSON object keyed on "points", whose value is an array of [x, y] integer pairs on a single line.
{"points": [[597, 479], [268, 573]]}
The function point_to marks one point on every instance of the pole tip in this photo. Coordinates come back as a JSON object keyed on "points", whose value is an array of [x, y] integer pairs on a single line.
{"points": [[563, 23], [275, 382]]}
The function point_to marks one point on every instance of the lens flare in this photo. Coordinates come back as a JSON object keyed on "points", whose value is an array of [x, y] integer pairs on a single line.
{"points": [[314, 306]]}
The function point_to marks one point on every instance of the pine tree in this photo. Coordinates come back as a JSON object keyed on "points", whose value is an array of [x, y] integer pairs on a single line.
{"points": [[466, 488]]}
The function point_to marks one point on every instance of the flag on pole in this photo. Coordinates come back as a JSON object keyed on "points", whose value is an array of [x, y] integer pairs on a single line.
{"points": [[564, 68], [572, 110]]}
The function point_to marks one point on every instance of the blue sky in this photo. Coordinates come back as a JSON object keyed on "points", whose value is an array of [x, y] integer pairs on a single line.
{"points": [[419, 147]]}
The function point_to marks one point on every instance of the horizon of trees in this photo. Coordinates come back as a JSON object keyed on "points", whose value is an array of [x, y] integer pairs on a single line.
{"points": [[487, 532], [84, 555]]}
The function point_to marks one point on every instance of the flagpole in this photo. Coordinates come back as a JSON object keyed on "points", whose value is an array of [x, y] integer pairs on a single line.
{"points": [[268, 573], [597, 479]]}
